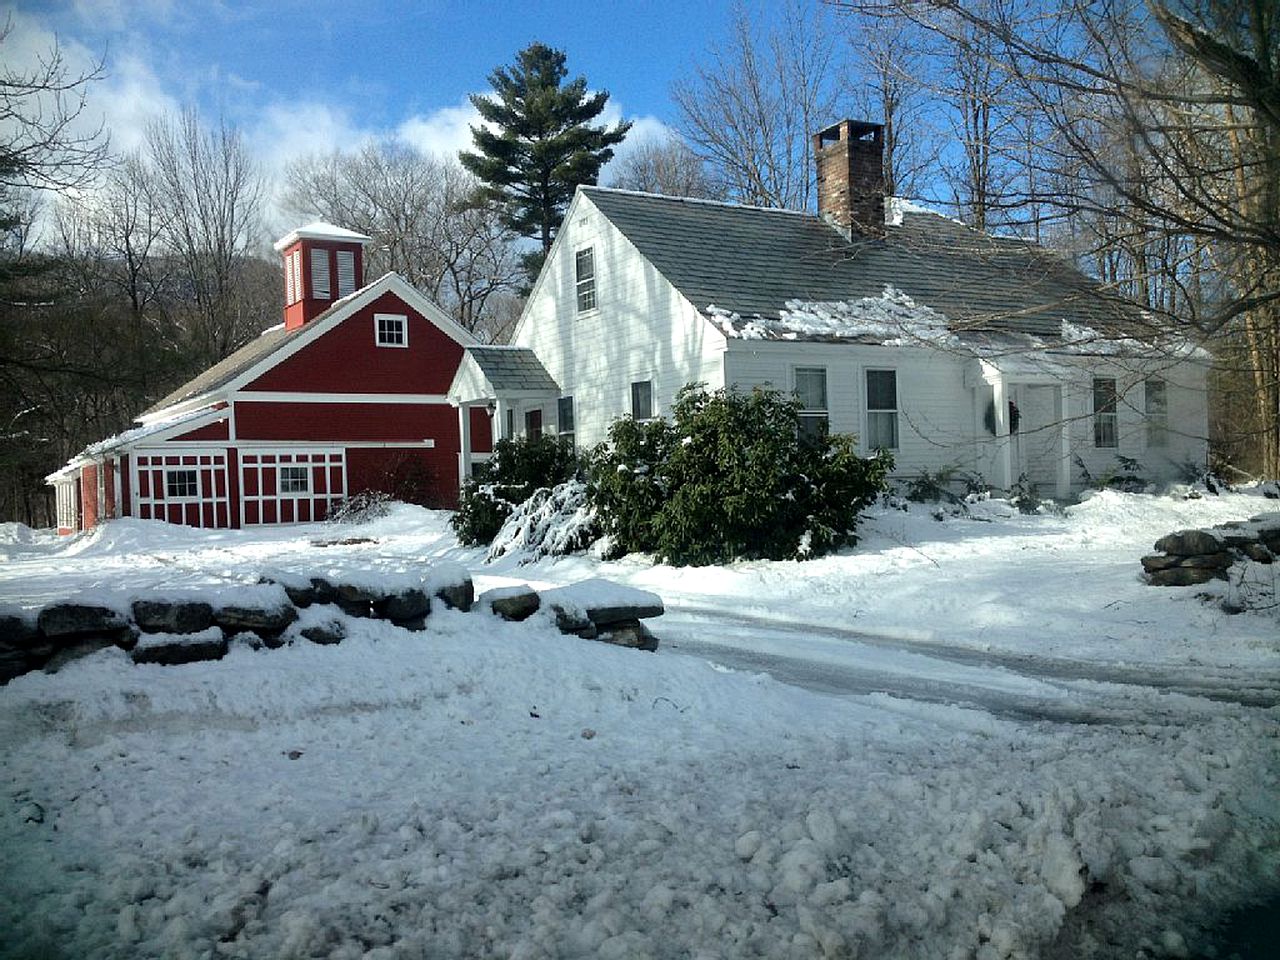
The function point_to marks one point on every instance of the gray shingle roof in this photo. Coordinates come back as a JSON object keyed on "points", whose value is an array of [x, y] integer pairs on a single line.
{"points": [[751, 261], [511, 369]]}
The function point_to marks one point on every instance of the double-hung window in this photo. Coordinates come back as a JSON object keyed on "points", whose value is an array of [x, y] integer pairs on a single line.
{"points": [[564, 417], [642, 399], [181, 484], [1105, 401], [811, 392], [1157, 413], [584, 269], [391, 330], [882, 410], [295, 479]]}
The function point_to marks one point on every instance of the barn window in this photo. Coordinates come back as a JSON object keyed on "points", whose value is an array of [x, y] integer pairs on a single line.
{"points": [[319, 274], [811, 392], [1157, 411], [882, 410], [391, 329], [585, 275], [1104, 412], [346, 272], [181, 484], [295, 479]]}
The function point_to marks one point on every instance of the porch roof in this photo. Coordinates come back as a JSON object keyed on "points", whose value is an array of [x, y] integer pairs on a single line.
{"points": [[492, 371]]}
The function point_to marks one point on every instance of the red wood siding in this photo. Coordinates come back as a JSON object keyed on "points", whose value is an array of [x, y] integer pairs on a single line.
{"points": [[89, 496], [220, 430], [347, 360], [385, 422], [481, 431], [429, 477]]}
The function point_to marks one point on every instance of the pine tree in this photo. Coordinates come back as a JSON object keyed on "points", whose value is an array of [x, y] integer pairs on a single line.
{"points": [[542, 144]]}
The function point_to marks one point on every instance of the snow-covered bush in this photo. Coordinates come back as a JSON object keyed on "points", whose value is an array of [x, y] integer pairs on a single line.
{"points": [[360, 507], [730, 477], [517, 468], [552, 522]]}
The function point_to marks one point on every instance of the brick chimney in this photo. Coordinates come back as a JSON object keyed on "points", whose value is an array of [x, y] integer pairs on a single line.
{"points": [[850, 165], [322, 263]]}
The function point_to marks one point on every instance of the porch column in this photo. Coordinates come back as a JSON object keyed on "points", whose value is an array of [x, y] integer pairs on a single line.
{"points": [[464, 443], [1064, 427], [1004, 448]]}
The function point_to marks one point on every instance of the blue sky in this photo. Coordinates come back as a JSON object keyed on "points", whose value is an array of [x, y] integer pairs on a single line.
{"points": [[302, 75]]}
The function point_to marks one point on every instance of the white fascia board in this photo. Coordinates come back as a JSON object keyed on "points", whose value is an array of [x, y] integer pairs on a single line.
{"points": [[566, 227], [284, 396], [387, 283]]}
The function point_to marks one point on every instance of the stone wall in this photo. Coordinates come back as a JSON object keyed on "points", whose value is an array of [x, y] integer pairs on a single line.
{"points": [[1189, 557], [170, 630]]}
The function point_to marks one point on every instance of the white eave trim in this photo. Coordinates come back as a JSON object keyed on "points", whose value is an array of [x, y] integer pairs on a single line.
{"points": [[319, 230]]}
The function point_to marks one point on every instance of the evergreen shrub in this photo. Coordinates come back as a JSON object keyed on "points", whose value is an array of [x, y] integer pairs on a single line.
{"points": [[730, 477], [517, 468]]}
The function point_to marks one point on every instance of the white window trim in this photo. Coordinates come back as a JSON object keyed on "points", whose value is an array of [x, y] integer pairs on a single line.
{"points": [[867, 411], [631, 401], [306, 474], [295, 264], [404, 326], [191, 498], [578, 284], [1101, 418], [813, 413]]}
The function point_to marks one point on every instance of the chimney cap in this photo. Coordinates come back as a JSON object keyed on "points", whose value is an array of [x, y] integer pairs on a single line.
{"points": [[319, 230], [847, 130]]}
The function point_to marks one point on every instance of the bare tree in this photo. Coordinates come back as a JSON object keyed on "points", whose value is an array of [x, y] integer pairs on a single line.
{"points": [[208, 193], [749, 108], [665, 165], [425, 223]]}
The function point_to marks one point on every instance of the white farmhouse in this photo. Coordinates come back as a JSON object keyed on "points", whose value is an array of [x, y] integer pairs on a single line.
{"points": [[947, 346]]}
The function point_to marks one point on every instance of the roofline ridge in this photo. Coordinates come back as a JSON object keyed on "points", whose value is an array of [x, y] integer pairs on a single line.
{"points": [[700, 200]]}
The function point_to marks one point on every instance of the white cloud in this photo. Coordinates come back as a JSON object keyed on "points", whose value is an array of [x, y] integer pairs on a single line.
{"points": [[288, 130], [644, 129], [129, 99], [443, 132]]}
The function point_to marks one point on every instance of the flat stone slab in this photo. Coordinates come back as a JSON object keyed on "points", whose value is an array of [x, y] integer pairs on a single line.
{"points": [[514, 603], [80, 619], [604, 602], [173, 649], [266, 622], [172, 616], [1187, 543]]}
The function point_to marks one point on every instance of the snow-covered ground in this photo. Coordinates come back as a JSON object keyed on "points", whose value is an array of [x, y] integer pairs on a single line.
{"points": [[1022, 751]]}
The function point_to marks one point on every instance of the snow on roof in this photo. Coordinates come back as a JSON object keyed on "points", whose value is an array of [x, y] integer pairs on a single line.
{"points": [[319, 230], [126, 437], [892, 319]]}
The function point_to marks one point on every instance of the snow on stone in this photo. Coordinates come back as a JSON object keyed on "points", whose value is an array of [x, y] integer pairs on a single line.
{"points": [[148, 641]]}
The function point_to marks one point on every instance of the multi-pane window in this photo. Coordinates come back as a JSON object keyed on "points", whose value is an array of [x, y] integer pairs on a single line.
{"points": [[642, 400], [564, 417], [181, 484], [1105, 398], [882, 410], [295, 479], [1157, 412], [346, 272], [319, 273], [811, 392], [584, 268], [391, 329]]}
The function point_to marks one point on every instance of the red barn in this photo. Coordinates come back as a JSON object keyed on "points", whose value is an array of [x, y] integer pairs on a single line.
{"points": [[348, 394]]}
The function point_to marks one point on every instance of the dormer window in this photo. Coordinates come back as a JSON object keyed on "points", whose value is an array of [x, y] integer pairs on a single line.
{"points": [[585, 276], [391, 330]]}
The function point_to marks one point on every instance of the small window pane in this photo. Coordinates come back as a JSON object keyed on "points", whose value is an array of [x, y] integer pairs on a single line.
{"points": [[585, 276], [811, 388], [642, 399], [882, 390], [564, 415], [295, 479], [812, 428]]}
